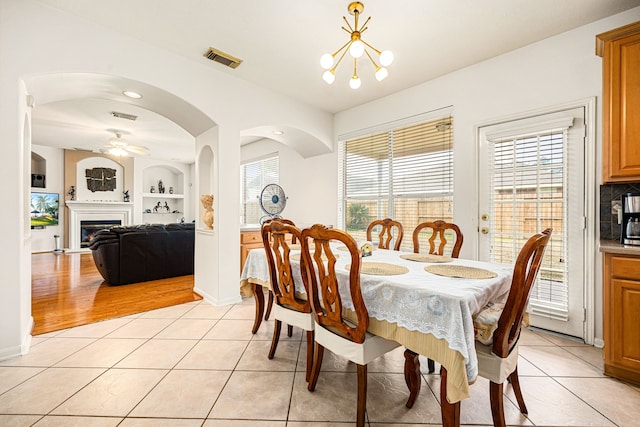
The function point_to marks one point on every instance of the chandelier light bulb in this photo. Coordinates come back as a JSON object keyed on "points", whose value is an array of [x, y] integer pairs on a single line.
{"points": [[381, 74], [326, 61], [356, 49], [328, 76], [386, 58], [355, 82]]}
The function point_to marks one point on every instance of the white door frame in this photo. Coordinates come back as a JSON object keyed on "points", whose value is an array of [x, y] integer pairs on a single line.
{"points": [[589, 105]]}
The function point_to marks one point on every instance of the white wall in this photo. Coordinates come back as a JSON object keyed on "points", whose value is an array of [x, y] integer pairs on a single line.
{"points": [[310, 184], [43, 240], [554, 71]]}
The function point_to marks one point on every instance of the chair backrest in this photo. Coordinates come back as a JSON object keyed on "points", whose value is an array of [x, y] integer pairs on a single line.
{"points": [[294, 239], [276, 235], [387, 227], [438, 231], [322, 282], [524, 275]]}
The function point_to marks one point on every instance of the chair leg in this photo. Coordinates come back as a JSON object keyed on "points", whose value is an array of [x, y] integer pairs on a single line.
{"points": [[309, 355], [431, 365], [515, 383], [269, 305], [412, 375], [362, 395], [275, 339], [496, 392], [318, 353], [289, 331], [259, 297]]}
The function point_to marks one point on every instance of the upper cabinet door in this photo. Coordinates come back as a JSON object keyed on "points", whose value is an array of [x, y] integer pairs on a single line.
{"points": [[620, 50]]}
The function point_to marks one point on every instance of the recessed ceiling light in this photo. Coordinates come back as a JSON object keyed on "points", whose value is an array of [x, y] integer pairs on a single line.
{"points": [[278, 132], [132, 94]]}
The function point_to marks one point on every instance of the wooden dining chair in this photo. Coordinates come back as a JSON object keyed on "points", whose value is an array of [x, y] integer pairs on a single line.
{"points": [[333, 331], [498, 355], [289, 306], [294, 239], [438, 231], [389, 228]]}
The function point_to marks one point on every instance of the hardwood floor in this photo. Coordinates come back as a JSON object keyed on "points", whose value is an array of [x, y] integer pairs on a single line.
{"points": [[67, 291]]}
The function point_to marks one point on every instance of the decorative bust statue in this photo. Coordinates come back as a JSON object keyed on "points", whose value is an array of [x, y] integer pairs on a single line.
{"points": [[207, 216]]}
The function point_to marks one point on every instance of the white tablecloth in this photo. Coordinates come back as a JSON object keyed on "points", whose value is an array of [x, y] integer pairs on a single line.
{"points": [[418, 300]]}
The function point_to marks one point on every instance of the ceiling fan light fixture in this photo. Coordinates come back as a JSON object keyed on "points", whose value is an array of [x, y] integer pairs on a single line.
{"points": [[117, 151], [357, 47]]}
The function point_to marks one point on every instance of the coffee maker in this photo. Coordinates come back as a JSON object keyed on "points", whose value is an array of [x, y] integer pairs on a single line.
{"points": [[630, 226]]}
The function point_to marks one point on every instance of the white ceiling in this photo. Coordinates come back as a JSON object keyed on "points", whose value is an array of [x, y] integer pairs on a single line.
{"points": [[281, 41]]}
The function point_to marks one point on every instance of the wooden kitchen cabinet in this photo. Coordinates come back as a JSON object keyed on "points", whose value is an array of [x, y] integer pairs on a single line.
{"points": [[248, 240], [622, 316], [620, 52]]}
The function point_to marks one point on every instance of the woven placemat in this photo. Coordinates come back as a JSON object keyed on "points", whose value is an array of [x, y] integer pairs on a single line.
{"points": [[426, 258], [324, 257], [461, 271], [381, 269]]}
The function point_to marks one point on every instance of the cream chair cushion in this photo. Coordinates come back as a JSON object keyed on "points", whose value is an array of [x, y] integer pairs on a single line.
{"points": [[495, 368], [486, 322], [293, 317], [372, 348]]}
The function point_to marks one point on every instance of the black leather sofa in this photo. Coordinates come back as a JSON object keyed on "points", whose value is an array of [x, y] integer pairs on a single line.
{"points": [[138, 253]]}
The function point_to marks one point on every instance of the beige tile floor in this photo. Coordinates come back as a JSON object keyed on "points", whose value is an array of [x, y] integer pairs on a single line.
{"points": [[199, 365]]}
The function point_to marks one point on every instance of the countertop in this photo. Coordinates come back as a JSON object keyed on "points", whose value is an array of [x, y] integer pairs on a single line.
{"points": [[615, 247], [250, 227]]}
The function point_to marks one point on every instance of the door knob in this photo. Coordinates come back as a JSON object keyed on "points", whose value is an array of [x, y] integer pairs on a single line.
{"points": [[485, 217], [484, 230]]}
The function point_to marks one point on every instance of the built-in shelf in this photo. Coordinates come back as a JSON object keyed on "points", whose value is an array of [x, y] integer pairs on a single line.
{"points": [[171, 177], [163, 195], [162, 213]]}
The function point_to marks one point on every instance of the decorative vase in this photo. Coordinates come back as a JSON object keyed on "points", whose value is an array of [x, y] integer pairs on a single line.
{"points": [[207, 216]]}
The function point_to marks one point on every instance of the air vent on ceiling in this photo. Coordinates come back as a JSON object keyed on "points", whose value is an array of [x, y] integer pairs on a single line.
{"points": [[123, 115], [222, 58]]}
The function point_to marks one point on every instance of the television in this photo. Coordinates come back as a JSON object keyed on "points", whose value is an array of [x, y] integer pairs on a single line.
{"points": [[44, 209]]}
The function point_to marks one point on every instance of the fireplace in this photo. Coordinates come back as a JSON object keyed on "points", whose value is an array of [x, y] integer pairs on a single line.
{"points": [[97, 215], [91, 227]]}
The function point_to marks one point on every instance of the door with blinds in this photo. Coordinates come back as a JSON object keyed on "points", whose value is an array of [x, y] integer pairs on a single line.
{"points": [[531, 178]]}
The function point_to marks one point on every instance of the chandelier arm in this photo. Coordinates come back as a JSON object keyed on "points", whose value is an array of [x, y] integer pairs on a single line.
{"points": [[375, 66], [350, 30], [355, 71], [371, 47], [341, 56], [343, 46], [364, 26]]}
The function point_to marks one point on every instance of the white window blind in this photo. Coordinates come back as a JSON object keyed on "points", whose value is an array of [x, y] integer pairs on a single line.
{"points": [[405, 173], [254, 177], [528, 195]]}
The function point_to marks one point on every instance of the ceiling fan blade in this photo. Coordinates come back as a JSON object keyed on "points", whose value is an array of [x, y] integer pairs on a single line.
{"points": [[137, 149]]}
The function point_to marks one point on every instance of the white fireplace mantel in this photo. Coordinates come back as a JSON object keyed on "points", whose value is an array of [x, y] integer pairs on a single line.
{"points": [[95, 211]]}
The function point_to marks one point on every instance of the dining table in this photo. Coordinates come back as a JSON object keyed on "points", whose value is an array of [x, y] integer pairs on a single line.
{"points": [[424, 302]]}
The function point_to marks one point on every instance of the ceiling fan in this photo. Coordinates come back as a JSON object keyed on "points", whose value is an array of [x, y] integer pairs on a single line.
{"points": [[120, 147]]}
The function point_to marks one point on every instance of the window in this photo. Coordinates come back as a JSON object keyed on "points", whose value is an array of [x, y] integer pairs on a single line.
{"points": [[253, 178], [404, 173]]}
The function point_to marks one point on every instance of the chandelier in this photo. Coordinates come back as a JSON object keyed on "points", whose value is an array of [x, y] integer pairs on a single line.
{"points": [[356, 48]]}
